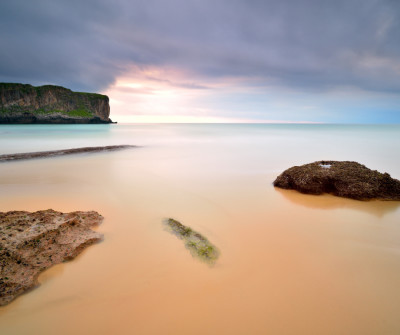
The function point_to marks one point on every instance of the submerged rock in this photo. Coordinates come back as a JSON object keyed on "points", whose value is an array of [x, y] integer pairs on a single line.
{"points": [[341, 178], [53, 153], [33, 242], [197, 244]]}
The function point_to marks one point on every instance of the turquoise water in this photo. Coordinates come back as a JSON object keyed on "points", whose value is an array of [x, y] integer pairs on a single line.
{"points": [[376, 146], [290, 263]]}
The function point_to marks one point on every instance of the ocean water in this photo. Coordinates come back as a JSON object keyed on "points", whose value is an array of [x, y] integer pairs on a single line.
{"points": [[289, 264]]}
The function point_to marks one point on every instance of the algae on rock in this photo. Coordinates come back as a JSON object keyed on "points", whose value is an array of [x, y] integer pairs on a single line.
{"points": [[197, 244]]}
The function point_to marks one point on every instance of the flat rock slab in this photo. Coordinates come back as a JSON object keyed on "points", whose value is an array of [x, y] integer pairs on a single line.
{"points": [[54, 153], [341, 178], [33, 242], [197, 244]]}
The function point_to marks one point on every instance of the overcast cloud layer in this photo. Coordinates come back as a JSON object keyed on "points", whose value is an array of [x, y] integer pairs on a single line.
{"points": [[307, 46]]}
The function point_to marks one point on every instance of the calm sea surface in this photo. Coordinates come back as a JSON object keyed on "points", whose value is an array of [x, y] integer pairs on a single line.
{"points": [[290, 263]]}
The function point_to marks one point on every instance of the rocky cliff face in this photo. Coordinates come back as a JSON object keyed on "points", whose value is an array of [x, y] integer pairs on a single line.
{"points": [[20, 103]]}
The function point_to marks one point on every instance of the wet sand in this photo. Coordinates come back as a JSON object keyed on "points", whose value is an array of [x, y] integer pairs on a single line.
{"points": [[289, 263]]}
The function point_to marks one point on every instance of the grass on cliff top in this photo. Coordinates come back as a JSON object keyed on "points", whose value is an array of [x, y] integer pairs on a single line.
{"points": [[197, 244], [27, 88], [93, 95]]}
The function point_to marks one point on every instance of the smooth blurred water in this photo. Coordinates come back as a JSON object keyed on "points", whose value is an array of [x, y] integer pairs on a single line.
{"points": [[290, 263], [376, 146]]}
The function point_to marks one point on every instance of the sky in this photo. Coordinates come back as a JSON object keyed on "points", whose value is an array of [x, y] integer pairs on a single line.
{"points": [[213, 60]]}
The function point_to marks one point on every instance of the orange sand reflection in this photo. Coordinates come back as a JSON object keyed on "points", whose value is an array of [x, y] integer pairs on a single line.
{"points": [[329, 202], [280, 272]]}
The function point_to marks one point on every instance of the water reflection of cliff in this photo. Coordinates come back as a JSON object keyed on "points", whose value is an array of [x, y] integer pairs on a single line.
{"points": [[326, 201]]}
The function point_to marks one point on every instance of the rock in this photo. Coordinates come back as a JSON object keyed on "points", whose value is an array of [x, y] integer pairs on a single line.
{"points": [[33, 242], [340, 178], [45, 154], [25, 104], [197, 244]]}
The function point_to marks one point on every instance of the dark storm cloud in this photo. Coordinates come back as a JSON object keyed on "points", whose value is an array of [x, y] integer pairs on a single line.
{"points": [[309, 44]]}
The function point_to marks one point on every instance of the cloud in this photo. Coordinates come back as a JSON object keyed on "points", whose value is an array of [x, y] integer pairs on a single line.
{"points": [[308, 45]]}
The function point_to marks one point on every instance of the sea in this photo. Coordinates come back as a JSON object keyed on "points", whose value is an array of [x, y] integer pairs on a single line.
{"points": [[289, 263]]}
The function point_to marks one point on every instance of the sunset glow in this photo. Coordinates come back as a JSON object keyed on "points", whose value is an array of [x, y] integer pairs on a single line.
{"points": [[153, 95]]}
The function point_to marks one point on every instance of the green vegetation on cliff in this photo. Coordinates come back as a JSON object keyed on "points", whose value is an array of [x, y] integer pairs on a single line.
{"points": [[49, 101]]}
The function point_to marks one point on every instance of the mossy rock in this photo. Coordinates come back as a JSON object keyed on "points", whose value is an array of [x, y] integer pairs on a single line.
{"points": [[199, 246]]}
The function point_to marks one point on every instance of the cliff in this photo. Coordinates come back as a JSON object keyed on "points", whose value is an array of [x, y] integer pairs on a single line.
{"points": [[23, 104]]}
